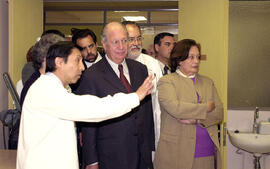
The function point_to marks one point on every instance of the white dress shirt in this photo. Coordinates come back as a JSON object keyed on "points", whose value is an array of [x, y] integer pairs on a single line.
{"points": [[153, 67], [116, 70], [162, 65], [19, 87], [47, 138]]}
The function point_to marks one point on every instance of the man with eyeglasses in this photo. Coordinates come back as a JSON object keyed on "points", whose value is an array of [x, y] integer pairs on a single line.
{"points": [[128, 141], [86, 41], [135, 52]]}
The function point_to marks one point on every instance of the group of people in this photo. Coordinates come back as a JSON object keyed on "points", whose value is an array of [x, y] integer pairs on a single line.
{"points": [[132, 111]]}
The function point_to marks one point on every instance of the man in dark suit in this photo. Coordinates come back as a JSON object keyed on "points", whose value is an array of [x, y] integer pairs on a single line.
{"points": [[125, 142]]}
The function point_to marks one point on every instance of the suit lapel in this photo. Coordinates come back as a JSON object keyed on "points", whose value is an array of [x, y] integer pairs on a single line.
{"points": [[110, 76], [134, 82]]}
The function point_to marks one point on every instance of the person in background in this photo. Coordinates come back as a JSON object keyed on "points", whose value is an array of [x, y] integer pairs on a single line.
{"points": [[28, 68], [86, 41], [53, 31], [163, 45], [47, 138], [128, 141], [144, 51], [150, 51], [27, 71], [39, 60], [135, 53], [190, 112]]}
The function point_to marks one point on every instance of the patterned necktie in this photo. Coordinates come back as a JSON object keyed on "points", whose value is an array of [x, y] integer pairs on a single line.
{"points": [[166, 68], [123, 79]]}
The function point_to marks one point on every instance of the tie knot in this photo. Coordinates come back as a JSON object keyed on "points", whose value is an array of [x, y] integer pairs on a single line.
{"points": [[123, 78], [166, 68], [120, 68]]}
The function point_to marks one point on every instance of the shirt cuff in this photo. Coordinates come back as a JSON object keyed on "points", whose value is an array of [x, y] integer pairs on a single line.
{"points": [[136, 99]]}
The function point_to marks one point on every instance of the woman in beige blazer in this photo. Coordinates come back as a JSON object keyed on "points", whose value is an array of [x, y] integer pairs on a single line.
{"points": [[190, 112]]}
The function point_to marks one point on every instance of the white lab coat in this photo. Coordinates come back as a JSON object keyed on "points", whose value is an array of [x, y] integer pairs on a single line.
{"points": [[47, 138], [154, 68]]}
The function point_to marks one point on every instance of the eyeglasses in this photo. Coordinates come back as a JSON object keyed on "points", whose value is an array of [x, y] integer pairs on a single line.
{"points": [[133, 39], [117, 42]]}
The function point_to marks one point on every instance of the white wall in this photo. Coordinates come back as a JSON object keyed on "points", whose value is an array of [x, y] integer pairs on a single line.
{"points": [[3, 60]]}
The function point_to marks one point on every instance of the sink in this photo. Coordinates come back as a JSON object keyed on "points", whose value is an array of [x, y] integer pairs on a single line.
{"points": [[250, 142]]}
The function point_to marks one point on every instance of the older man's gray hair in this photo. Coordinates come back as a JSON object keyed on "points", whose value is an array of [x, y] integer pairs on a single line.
{"points": [[41, 48], [104, 31]]}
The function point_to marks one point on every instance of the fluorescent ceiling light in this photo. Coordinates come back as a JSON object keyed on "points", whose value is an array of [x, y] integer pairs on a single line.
{"points": [[134, 18]]}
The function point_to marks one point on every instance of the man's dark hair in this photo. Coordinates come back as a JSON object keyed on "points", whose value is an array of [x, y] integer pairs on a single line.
{"points": [[158, 37], [54, 31], [60, 49], [82, 33]]}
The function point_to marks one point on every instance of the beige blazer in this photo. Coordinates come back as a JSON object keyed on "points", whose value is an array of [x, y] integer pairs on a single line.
{"points": [[178, 99]]}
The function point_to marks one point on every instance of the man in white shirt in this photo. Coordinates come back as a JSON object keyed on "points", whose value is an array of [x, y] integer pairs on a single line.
{"points": [[47, 138], [135, 53], [163, 45]]}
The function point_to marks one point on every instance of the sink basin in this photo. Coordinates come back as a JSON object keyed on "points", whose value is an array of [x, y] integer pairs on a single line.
{"points": [[250, 142]]}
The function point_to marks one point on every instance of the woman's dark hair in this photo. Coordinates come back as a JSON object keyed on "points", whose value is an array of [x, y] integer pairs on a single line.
{"points": [[60, 49], [180, 52]]}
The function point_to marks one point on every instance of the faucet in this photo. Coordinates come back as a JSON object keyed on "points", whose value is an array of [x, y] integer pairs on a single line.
{"points": [[256, 116]]}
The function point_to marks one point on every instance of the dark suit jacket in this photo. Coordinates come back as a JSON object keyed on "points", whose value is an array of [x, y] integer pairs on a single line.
{"points": [[117, 143]]}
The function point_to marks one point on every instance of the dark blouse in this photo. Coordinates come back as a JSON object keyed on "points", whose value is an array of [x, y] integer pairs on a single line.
{"points": [[27, 85]]}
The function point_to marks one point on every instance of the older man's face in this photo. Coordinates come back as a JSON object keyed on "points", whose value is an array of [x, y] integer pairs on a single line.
{"points": [[134, 41], [116, 44]]}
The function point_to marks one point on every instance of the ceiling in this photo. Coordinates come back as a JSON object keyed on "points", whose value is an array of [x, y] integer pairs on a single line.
{"points": [[105, 0], [153, 5]]}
